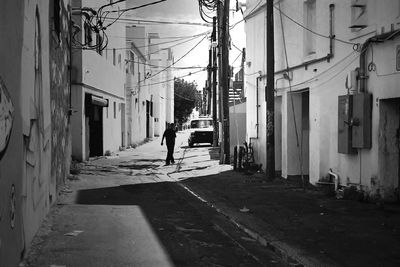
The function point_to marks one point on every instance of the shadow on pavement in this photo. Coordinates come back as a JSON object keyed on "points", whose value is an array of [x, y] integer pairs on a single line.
{"points": [[187, 234], [136, 194]]}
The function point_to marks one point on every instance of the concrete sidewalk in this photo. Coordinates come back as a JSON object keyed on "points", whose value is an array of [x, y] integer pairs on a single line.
{"points": [[99, 235], [306, 226]]}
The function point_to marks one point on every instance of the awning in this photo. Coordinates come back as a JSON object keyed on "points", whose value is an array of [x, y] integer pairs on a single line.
{"points": [[98, 101]]}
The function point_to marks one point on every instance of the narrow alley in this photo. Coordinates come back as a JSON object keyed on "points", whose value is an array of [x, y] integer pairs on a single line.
{"points": [[131, 210], [199, 133]]}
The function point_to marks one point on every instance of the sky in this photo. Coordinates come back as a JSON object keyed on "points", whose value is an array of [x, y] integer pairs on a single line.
{"points": [[187, 11]]}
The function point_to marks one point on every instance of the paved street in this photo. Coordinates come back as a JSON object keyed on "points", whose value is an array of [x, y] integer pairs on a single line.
{"points": [[130, 210]]}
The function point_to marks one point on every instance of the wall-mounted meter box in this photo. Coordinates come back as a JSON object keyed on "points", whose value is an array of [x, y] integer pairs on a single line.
{"points": [[362, 120], [354, 122], [345, 112]]}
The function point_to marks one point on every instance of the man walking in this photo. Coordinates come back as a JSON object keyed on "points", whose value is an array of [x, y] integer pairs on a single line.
{"points": [[169, 135]]}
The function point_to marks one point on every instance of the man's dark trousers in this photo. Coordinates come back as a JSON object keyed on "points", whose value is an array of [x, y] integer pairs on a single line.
{"points": [[170, 153]]}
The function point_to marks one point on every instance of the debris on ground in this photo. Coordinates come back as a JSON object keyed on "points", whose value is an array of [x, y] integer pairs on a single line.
{"points": [[74, 233], [244, 209]]}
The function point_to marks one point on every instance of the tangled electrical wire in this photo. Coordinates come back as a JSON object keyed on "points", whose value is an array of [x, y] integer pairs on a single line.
{"points": [[207, 9], [95, 21], [91, 25]]}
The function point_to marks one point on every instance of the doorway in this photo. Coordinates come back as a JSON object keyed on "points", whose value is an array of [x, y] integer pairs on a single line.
{"points": [[389, 144], [147, 118], [298, 134], [123, 127], [94, 126]]}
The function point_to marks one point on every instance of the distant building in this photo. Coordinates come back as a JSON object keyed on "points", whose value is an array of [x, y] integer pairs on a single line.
{"points": [[237, 111], [137, 93], [149, 86], [161, 83], [336, 104]]}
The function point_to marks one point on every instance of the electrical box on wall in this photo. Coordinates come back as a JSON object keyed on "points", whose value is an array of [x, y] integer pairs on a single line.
{"points": [[345, 110], [362, 120]]}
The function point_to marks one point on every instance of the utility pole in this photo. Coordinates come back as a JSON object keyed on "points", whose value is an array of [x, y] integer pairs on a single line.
{"points": [[224, 73], [208, 88], [269, 92], [214, 82]]}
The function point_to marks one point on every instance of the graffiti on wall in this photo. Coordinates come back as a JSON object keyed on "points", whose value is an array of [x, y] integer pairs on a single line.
{"points": [[35, 143], [60, 90], [6, 117]]}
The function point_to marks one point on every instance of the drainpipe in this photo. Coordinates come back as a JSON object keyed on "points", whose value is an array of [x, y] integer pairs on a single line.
{"points": [[257, 106], [336, 176], [331, 34]]}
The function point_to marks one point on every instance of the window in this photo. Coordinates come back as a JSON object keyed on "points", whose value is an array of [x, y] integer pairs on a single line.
{"points": [[115, 110], [88, 34], [310, 23], [114, 57], [132, 62], [138, 68], [358, 15], [99, 44], [201, 123], [119, 60]]}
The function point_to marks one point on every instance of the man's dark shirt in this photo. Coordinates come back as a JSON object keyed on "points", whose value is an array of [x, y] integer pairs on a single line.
{"points": [[169, 135]]}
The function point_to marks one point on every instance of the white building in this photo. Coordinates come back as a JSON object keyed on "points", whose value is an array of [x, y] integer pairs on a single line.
{"points": [[315, 131], [149, 86], [138, 95], [98, 95], [161, 84]]}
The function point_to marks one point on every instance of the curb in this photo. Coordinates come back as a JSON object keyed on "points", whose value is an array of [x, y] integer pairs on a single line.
{"points": [[290, 255]]}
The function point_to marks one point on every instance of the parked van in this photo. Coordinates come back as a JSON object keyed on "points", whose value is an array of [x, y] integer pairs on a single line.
{"points": [[201, 131]]}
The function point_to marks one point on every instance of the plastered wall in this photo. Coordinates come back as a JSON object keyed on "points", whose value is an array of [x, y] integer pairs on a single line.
{"points": [[325, 81], [34, 158]]}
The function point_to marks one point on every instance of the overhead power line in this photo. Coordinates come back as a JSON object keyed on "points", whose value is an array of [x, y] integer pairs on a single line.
{"points": [[180, 77], [163, 48], [310, 30], [155, 66], [94, 21], [163, 37], [207, 9], [121, 12], [161, 22], [190, 50], [252, 10], [186, 41]]}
